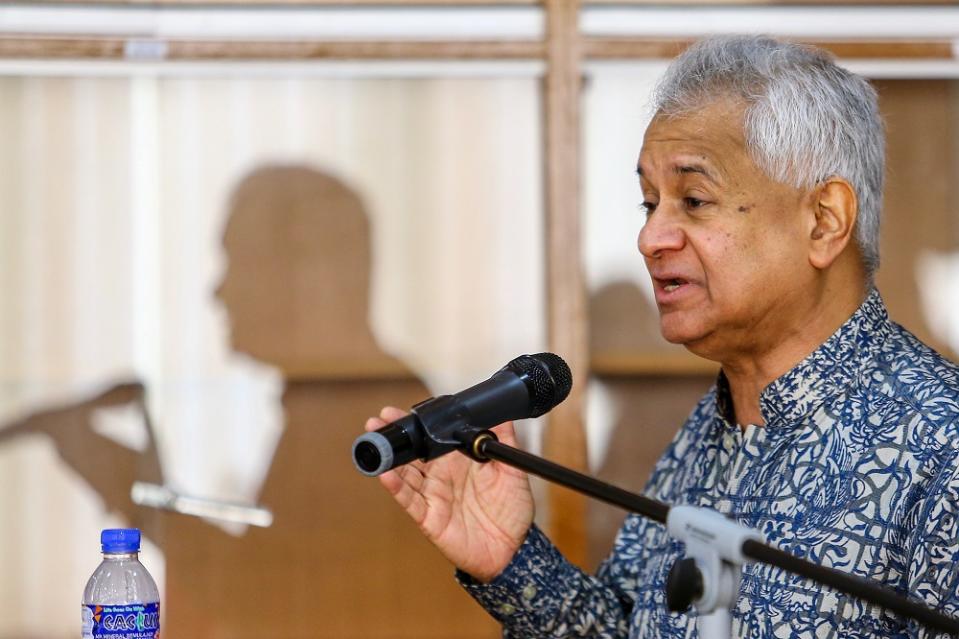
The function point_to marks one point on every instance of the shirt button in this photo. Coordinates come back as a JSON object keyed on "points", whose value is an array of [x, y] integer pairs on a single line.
{"points": [[529, 592], [507, 609]]}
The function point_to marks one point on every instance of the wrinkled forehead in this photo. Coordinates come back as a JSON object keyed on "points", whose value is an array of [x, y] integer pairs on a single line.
{"points": [[708, 141]]}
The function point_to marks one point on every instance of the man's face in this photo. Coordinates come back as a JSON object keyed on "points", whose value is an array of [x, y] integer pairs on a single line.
{"points": [[724, 244]]}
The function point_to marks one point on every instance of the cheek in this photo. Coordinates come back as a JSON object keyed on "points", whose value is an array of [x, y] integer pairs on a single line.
{"points": [[742, 267], [723, 255], [783, 249]]}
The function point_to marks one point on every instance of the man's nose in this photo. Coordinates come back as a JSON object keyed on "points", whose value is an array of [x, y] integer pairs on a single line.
{"points": [[661, 232]]}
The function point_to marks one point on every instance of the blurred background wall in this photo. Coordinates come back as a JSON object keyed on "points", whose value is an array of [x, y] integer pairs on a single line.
{"points": [[492, 150]]}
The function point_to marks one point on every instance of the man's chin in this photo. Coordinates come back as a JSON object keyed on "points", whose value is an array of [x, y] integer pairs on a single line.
{"points": [[681, 333]]}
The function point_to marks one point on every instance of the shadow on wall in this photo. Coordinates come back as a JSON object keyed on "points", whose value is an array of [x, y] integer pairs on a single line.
{"points": [[338, 560]]}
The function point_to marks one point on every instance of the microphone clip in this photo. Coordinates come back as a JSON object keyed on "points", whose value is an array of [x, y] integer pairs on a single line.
{"points": [[446, 427]]}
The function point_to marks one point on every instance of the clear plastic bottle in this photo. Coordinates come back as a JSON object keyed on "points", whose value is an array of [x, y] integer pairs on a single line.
{"points": [[121, 600]]}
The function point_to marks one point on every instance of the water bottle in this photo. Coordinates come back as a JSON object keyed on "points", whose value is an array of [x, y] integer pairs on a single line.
{"points": [[121, 600]]}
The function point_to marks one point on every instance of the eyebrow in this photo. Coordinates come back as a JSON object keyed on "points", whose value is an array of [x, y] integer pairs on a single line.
{"points": [[684, 169]]}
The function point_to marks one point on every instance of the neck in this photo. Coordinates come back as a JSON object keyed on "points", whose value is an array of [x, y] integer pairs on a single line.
{"points": [[748, 373]]}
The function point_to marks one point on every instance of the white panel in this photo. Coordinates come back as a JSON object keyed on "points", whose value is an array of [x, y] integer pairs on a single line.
{"points": [[299, 70], [284, 23], [31, 260], [9, 229], [616, 111], [86, 227], [64, 253], [821, 22]]}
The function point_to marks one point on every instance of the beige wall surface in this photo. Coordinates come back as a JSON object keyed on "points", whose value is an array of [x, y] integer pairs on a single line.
{"points": [[114, 200]]}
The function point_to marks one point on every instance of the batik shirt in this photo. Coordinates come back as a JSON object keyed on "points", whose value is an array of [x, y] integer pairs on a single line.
{"points": [[856, 468]]}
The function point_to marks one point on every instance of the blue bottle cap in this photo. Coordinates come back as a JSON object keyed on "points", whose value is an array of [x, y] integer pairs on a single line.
{"points": [[120, 540]]}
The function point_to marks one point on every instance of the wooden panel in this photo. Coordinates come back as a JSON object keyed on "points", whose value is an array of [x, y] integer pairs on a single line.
{"points": [[297, 3], [565, 441], [641, 48], [762, 3], [274, 3], [894, 49], [41, 47], [79, 47]]}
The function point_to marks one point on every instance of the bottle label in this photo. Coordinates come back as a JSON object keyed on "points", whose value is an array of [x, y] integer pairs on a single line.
{"points": [[129, 621]]}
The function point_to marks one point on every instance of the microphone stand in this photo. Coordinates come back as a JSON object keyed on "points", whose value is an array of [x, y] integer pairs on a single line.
{"points": [[717, 547]]}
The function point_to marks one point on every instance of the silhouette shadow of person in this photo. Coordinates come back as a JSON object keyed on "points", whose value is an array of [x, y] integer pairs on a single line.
{"points": [[340, 560]]}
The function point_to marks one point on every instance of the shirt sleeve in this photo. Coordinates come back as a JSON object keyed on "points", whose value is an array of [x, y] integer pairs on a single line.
{"points": [[934, 567], [541, 594]]}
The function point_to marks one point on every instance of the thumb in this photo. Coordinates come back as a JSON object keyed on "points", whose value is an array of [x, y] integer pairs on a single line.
{"points": [[506, 433]]}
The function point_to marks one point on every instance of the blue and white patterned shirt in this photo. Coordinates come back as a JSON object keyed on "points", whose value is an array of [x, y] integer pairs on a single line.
{"points": [[857, 468]]}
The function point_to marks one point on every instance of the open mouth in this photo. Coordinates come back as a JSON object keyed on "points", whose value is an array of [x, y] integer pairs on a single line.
{"points": [[671, 285]]}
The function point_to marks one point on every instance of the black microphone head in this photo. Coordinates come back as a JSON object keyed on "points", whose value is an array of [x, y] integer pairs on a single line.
{"points": [[547, 377]]}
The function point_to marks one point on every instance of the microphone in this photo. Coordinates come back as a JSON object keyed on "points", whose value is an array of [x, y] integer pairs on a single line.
{"points": [[528, 386]]}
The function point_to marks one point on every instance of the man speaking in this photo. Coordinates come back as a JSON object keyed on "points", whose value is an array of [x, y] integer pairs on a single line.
{"points": [[830, 429]]}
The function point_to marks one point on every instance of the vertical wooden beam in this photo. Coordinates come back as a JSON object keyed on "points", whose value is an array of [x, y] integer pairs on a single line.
{"points": [[565, 439]]}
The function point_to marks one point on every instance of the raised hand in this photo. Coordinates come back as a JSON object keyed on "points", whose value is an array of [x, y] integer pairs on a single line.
{"points": [[476, 514]]}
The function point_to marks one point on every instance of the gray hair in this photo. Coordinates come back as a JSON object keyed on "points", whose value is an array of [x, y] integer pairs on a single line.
{"points": [[806, 118]]}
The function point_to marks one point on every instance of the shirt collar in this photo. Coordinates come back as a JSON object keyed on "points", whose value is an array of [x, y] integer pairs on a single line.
{"points": [[829, 369]]}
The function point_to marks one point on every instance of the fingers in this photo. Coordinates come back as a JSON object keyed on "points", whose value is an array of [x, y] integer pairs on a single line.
{"points": [[387, 414], [406, 485], [506, 433], [392, 413], [395, 479], [373, 423]]}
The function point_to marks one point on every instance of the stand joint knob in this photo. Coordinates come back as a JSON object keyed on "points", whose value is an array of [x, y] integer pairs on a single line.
{"points": [[684, 585]]}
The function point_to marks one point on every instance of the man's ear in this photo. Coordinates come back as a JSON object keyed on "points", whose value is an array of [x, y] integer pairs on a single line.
{"points": [[834, 211]]}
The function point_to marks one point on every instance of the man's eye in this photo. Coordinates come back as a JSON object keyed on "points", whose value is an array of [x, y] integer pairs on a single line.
{"points": [[693, 203], [647, 207]]}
